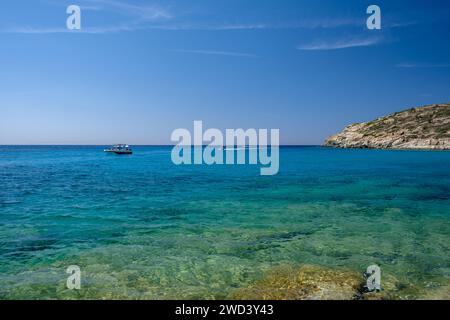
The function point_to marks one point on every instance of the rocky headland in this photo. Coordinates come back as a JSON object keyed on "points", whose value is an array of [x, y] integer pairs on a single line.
{"points": [[423, 128]]}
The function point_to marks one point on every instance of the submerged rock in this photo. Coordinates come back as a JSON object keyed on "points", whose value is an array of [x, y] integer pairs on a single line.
{"points": [[441, 293], [418, 128], [304, 283]]}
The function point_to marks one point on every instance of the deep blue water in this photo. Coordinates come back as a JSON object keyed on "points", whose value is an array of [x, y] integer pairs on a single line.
{"points": [[141, 227]]}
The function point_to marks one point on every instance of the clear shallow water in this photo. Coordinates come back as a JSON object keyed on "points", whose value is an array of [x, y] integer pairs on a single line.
{"points": [[141, 227]]}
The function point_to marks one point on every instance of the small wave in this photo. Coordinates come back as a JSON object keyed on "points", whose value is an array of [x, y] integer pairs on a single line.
{"points": [[10, 202]]}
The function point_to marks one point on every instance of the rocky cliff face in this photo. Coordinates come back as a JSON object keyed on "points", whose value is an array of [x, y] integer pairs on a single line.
{"points": [[417, 128]]}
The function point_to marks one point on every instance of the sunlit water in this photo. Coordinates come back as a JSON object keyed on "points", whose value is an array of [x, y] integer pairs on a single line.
{"points": [[141, 227]]}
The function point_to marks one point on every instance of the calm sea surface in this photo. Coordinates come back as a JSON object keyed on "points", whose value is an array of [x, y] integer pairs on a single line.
{"points": [[141, 227]]}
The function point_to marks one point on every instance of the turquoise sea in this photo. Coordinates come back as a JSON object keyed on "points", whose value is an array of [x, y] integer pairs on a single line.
{"points": [[140, 227]]}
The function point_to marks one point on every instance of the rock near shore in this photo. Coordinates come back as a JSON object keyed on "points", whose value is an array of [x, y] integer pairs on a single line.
{"points": [[426, 128], [307, 282]]}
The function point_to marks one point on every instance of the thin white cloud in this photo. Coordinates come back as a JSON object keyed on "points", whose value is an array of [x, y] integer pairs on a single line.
{"points": [[415, 65], [143, 12], [139, 26], [220, 53], [331, 23], [238, 27], [90, 8], [305, 24], [34, 30], [402, 24], [340, 44], [89, 30], [115, 29], [147, 11]]}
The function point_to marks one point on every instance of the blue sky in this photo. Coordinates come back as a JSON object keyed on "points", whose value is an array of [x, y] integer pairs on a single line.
{"points": [[137, 70]]}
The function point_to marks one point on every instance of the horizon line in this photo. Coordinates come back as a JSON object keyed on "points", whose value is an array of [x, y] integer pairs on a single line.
{"points": [[137, 145]]}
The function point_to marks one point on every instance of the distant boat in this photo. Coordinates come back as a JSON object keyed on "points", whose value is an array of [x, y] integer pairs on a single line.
{"points": [[237, 148], [120, 149], [225, 148]]}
